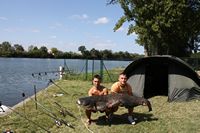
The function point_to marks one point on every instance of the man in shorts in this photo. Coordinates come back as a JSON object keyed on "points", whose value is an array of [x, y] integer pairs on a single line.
{"points": [[123, 87]]}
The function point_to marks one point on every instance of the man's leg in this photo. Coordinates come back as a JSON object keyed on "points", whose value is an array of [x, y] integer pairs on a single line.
{"points": [[130, 118], [88, 114]]}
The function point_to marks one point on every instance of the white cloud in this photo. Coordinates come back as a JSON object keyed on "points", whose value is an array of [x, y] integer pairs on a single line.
{"points": [[56, 25], [80, 17], [102, 20], [20, 30], [12, 30], [53, 37], [35, 30], [3, 18], [101, 44]]}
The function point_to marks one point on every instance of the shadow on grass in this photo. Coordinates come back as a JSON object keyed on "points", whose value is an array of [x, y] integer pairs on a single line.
{"points": [[122, 119]]}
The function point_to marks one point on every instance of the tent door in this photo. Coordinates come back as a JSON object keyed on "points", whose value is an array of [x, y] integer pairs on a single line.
{"points": [[156, 80]]}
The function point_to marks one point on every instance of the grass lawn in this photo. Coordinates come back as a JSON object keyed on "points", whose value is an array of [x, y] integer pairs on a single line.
{"points": [[165, 117]]}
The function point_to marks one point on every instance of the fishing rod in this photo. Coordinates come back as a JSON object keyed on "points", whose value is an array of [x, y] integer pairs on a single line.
{"points": [[58, 121], [45, 73], [51, 81], [61, 109], [70, 114], [58, 107], [65, 110], [23, 116]]}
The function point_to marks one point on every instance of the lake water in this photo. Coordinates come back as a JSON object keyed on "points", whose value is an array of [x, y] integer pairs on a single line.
{"points": [[20, 75]]}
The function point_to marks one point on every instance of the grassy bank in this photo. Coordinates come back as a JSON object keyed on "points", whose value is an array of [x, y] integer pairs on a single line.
{"points": [[165, 117]]}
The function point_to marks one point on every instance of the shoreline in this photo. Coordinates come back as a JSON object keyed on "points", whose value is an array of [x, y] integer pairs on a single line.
{"points": [[20, 104]]}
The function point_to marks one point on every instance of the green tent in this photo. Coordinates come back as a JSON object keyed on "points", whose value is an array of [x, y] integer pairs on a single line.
{"points": [[163, 75]]}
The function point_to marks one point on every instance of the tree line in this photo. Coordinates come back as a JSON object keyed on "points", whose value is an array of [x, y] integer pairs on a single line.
{"points": [[17, 50]]}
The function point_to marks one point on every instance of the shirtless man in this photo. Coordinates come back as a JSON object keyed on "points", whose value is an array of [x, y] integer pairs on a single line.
{"points": [[97, 89], [123, 87]]}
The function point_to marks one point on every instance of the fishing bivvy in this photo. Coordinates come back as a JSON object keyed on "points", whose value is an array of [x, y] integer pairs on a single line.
{"points": [[163, 75]]}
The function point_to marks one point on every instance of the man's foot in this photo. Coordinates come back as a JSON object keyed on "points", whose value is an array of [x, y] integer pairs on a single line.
{"points": [[131, 121], [89, 121]]}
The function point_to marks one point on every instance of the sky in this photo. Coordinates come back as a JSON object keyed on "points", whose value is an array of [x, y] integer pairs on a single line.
{"points": [[65, 25]]}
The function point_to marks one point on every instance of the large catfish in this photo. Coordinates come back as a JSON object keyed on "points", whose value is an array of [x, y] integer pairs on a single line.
{"points": [[109, 103]]}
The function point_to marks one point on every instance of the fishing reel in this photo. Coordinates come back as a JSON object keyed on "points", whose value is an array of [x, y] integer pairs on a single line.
{"points": [[58, 123]]}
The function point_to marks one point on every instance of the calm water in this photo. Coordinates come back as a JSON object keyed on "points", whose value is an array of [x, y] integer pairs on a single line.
{"points": [[16, 74]]}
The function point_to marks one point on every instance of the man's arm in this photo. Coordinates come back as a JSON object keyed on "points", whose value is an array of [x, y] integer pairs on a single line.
{"points": [[130, 92], [90, 92], [105, 91], [115, 88]]}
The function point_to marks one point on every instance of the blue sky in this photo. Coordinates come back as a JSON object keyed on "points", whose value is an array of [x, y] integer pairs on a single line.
{"points": [[65, 24]]}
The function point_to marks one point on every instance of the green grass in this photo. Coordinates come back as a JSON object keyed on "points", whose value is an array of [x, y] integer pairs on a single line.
{"points": [[165, 117]]}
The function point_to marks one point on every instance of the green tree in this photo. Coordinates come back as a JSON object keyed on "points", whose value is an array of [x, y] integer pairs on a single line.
{"points": [[19, 51], [43, 52], [85, 53], [33, 51], [6, 49], [44, 49], [82, 49], [107, 54], [18, 48], [94, 53], [30, 48], [163, 26]]}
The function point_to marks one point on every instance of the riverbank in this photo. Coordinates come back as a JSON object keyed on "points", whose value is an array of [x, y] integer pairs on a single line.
{"points": [[46, 97], [165, 117], [8, 110]]}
